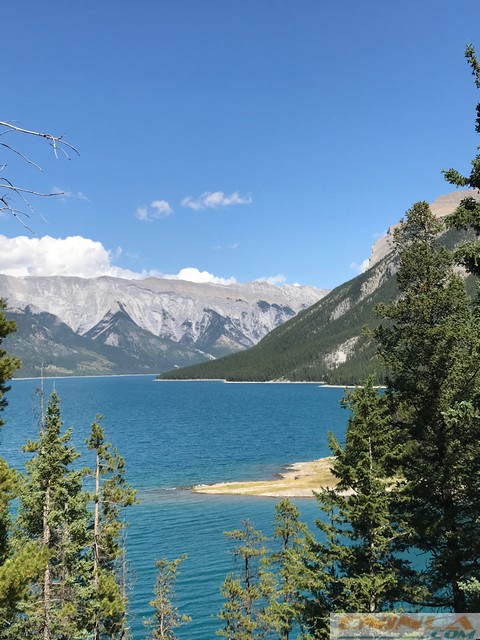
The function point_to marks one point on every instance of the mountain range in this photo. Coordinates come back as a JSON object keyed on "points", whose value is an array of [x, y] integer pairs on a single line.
{"points": [[75, 326], [327, 342]]}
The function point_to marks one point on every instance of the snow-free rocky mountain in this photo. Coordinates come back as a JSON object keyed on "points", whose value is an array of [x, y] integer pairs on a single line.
{"points": [[77, 326]]}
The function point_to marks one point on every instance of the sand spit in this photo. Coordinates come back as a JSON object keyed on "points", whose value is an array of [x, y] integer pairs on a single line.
{"points": [[299, 480]]}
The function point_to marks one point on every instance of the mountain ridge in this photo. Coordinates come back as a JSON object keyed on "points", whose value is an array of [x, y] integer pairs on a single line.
{"points": [[326, 343], [151, 325]]}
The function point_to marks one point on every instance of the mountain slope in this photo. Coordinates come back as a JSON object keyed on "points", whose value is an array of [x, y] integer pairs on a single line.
{"points": [[317, 343], [42, 339], [139, 326], [326, 342]]}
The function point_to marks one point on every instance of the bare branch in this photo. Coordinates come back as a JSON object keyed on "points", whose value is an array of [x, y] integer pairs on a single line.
{"points": [[19, 153], [56, 142]]}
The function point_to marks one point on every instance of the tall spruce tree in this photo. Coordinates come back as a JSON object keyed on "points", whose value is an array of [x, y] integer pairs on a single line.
{"points": [[354, 567], [430, 347], [53, 513], [112, 494]]}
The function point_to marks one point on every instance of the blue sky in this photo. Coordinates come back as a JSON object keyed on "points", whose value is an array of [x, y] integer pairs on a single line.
{"points": [[241, 138]]}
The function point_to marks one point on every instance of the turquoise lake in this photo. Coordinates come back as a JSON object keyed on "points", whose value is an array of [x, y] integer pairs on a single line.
{"points": [[177, 434]]}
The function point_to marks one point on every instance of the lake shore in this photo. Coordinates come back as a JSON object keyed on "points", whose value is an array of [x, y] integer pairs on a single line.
{"points": [[299, 480]]}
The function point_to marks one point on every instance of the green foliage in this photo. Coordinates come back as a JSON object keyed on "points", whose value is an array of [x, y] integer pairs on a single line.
{"points": [[108, 602], [467, 215], [284, 609], [8, 364], [431, 348], [354, 566], [53, 513], [245, 611], [167, 617]]}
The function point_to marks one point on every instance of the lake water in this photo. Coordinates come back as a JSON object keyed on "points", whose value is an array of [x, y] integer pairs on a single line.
{"points": [[177, 434]]}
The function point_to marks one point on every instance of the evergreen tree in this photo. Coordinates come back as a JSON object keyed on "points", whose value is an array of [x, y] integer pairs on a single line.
{"points": [[8, 364], [467, 215], [431, 348], [244, 612], [53, 513], [112, 494], [285, 607], [354, 567], [166, 618], [17, 568]]}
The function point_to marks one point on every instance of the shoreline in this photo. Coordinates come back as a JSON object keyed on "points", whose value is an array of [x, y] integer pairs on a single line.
{"points": [[222, 380], [318, 384], [93, 375], [298, 480]]}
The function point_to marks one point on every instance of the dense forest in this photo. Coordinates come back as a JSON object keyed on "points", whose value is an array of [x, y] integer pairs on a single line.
{"points": [[408, 483]]}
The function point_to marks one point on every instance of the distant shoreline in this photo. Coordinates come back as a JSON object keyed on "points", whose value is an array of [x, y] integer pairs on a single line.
{"points": [[93, 375], [146, 375], [318, 384]]}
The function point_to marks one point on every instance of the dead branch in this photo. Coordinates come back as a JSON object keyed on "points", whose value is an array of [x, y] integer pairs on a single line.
{"points": [[58, 143]]}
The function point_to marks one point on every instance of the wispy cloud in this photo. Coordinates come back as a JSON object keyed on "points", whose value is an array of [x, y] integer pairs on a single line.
{"points": [[214, 200], [278, 279], [226, 247], [156, 210], [68, 194]]}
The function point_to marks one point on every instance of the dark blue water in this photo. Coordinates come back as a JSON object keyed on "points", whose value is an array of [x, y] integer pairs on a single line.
{"points": [[177, 434]]}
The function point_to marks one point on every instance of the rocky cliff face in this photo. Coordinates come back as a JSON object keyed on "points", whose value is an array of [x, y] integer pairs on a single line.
{"points": [[141, 317], [443, 206]]}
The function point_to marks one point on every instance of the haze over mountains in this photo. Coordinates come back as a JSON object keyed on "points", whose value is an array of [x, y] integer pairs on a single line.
{"points": [[108, 325]]}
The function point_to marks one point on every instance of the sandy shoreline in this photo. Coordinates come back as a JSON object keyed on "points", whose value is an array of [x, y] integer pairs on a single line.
{"points": [[299, 480]]}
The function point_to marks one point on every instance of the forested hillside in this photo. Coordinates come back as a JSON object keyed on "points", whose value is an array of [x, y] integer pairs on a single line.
{"points": [[329, 342]]}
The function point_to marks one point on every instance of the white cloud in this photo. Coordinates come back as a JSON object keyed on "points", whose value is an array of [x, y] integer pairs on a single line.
{"points": [[191, 274], [214, 200], [72, 256], [81, 257], [66, 194], [157, 209], [278, 279]]}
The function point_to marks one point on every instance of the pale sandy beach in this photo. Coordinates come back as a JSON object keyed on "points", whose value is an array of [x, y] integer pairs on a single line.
{"points": [[299, 480]]}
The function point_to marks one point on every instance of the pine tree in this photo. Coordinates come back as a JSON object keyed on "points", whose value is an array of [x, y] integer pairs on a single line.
{"points": [[111, 495], [246, 594], [166, 618], [53, 513], [431, 348]]}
